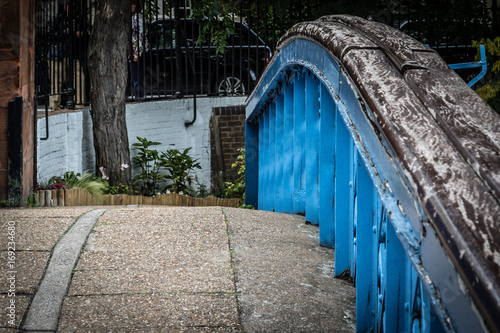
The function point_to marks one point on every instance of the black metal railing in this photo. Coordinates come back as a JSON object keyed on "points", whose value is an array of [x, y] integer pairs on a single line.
{"points": [[174, 62], [62, 30]]}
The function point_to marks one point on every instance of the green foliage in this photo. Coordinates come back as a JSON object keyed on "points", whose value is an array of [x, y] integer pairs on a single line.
{"points": [[245, 206], [179, 165], [71, 179], [490, 90], [237, 188], [220, 189], [215, 20], [33, 201], [4, 204], [151, 8], [86, 181], [492, 48], [149, 162], [152, 163], [202, 190], [117, 188]]}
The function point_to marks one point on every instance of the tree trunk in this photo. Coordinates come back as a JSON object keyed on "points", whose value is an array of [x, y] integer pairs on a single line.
{"points": [[108, 71]]}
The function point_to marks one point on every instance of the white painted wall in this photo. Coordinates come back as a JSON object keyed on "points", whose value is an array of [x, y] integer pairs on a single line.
{"points": [[70, 144]]}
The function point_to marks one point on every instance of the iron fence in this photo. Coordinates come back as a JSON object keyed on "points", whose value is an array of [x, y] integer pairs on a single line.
{"points": [[173, 61]]}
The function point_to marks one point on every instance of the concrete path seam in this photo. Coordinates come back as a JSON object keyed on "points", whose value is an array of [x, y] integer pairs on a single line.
{"points": [[233, 266], [45, 308]]}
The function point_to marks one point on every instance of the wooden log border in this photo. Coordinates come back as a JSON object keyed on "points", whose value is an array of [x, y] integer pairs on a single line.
{"points": [[81, 197]]}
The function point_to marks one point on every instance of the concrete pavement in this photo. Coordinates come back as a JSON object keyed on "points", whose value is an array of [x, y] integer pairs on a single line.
{"points": [[167, 269]]}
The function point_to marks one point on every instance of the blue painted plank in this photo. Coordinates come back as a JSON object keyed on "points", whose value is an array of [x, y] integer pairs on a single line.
{"points": [[353, 204], [426, 312], [365, 286], [312, 149], [288, 148], [272, 157], [435, 325], [262, 160], [343, 199], [380, 260], [396, 282], [268, 161], [252, 164], [412, 300], [299, 124], [328, 111], [278, 157]]}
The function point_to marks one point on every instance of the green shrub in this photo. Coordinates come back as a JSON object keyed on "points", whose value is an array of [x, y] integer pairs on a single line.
{"points": [[490, 90], [237, 188], [148, 160], [71, 179], [33, 201], [179, 166]]}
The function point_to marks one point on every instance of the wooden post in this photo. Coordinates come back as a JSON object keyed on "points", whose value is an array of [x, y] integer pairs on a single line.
{"points": [[67, 198], [60, 197], [41, 197], [48, 197]]}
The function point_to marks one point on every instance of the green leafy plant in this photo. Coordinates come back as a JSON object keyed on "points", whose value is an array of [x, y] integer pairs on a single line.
{"points": [[85, 180], [149, 162], [71, 179], [179, 166], [245, 206], [151, 9], [33, 201], [4, 204], [490, 90], [202, 191], [237, 188], [215, 20], [219, 189], [115, 189]]}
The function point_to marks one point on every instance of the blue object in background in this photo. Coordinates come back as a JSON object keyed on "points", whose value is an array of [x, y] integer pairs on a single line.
{"points": [[323, 154]]}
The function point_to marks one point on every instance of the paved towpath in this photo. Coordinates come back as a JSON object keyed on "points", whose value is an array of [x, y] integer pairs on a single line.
{"points": [[167, 269]]}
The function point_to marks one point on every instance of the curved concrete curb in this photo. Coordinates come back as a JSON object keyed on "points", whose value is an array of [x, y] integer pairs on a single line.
{"points": [[44, 311]]}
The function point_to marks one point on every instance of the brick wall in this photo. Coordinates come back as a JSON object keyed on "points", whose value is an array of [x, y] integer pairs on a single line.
{"points": [[227, 136]]}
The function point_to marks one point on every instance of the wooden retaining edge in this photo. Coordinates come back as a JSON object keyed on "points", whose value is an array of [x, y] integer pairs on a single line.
{"points": [[81, 197]]}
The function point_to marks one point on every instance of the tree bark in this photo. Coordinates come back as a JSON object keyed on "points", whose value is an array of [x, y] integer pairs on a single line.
{"points": [[108, 71]]}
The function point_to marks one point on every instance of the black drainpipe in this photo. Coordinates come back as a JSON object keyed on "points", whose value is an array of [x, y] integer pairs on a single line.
{"points": [[189, 123]]}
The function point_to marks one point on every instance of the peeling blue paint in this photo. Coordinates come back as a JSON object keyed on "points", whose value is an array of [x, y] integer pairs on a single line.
{"points": [[324, 152]]}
